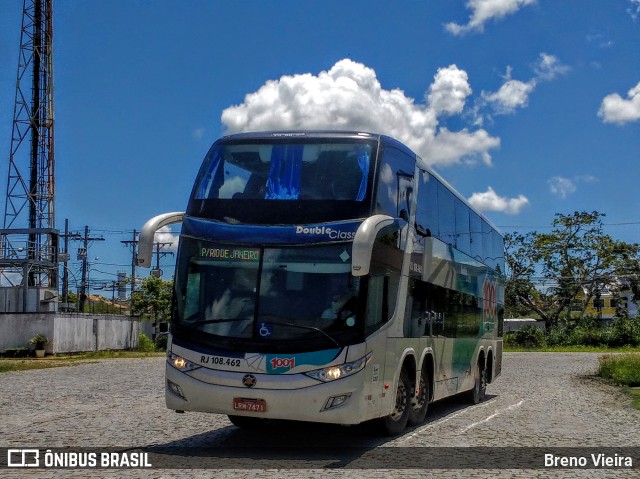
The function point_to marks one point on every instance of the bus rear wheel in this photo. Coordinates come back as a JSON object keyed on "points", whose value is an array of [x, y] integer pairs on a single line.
{"points": [[479, 391], [419, 403], [395, 423]]}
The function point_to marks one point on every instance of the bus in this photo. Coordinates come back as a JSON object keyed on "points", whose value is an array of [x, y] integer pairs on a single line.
{"points": [[330, 277]]}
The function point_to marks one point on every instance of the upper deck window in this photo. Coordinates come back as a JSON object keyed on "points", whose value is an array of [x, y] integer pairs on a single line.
{"points": [[290, 171], [285, 180]]}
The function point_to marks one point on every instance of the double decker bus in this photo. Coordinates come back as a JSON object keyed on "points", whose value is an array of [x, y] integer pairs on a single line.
{"points": [[329, 277]]}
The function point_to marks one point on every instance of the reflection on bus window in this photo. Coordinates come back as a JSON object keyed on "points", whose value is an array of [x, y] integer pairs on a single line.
{"points": [[279, 171]]}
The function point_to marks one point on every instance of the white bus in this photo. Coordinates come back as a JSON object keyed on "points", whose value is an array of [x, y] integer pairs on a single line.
{"points": [[328, 277]]}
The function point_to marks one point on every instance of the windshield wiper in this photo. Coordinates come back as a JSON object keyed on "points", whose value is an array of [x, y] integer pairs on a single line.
{"points": [[212, 321], [312, 328]]}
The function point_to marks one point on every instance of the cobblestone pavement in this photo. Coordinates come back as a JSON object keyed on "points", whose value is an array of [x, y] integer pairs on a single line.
{"points": [[542, 400]]}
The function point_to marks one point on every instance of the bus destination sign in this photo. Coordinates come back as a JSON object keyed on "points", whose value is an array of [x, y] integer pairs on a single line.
{"points": [[231, 254]]}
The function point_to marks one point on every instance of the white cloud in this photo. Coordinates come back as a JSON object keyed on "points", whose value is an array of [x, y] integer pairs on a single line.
{"points": [[349, 96], [615, 109], [561, 187], [511, 95], [449, 90], [490, 201], [449, 147], [485, 10], [514, 94], [548, 67], [634, 9], [165, 235], [198, 133], [600, 40]]}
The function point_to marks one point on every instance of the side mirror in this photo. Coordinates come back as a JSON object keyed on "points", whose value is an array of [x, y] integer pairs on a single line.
{"points": [[363, 242], [147, 235]]}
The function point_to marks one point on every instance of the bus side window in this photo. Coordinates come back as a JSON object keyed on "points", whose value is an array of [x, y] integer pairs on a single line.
{"points": [[384, 279], [377, 305], [417, 317]]}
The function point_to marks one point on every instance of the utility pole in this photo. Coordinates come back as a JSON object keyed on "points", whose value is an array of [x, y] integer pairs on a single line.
{"points": [[83, 283], [65, 270], [134, 247], [83, 254], [64, 260], [160, 254]]}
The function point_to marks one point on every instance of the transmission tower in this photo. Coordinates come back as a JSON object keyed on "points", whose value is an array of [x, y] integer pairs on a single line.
{"points": [[29, 240]]}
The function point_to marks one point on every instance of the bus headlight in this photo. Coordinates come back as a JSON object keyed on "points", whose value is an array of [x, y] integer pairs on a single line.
{"points": [[180, 363], [341, 371]]}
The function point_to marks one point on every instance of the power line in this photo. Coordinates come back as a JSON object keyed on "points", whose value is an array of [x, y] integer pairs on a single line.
{"points": [[624, 223]]}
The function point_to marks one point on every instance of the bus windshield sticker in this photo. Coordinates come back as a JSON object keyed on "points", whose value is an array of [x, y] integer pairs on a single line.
{"points": [[325, 232], [278, 364]]}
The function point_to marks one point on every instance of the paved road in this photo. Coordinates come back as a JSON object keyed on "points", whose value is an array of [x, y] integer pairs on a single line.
{"points": [[541, 400]]}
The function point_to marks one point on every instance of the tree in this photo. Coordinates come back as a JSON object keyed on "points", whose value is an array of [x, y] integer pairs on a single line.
{"points": [[576, 256], [521, 295], [153, 300]]}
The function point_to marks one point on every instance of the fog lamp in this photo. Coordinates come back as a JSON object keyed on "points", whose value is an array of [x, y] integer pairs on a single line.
{"points": [[175, 389], [336, 401]]}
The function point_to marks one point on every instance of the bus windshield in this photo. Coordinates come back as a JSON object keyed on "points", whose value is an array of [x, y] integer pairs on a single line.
{"points": [[305, 171], [268, 294]]}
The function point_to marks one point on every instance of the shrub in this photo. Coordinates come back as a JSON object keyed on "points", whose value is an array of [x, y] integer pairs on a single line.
{"points": [[39, 341], [586, 336], [527, 337], [19, 352], [145, 343], [161, 342], [624, 331], [558, 336], [622, 369]]}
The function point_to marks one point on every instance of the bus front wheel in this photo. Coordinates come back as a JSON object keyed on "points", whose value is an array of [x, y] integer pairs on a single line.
{"points": [[395, 423]]}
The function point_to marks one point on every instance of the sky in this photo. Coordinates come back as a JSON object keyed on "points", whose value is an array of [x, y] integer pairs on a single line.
{"points": [[527, 107]]}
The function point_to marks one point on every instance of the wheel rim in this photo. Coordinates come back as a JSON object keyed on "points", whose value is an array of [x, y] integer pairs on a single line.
{"points": [[421, 397], [481, 384], [401, 401]]}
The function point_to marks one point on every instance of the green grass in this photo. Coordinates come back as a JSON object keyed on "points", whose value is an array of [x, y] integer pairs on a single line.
{"points": [[635, 396], [111, 355], [570, 349], [7, 365], [621, 369], [57, 361]]}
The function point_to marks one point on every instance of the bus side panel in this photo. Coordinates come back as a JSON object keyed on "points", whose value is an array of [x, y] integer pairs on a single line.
{"points": [[375, 395], [497, 359], [445, 382]]}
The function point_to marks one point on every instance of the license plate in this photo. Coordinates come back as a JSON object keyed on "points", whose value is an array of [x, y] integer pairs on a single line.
{"points": [[249, 405]]}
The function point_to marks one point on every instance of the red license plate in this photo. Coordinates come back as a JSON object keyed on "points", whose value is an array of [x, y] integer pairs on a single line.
{"points": [[249, 405]]}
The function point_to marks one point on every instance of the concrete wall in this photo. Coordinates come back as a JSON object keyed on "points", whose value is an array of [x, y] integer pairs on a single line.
{"points": [[72, 332]]}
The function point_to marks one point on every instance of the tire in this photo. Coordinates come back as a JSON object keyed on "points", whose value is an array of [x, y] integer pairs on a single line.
{"points": [[479, 391], [247, 422], [420, 403], [396, 422]]}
